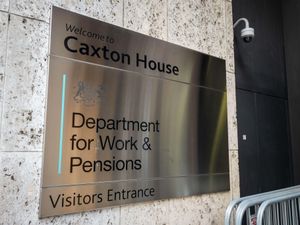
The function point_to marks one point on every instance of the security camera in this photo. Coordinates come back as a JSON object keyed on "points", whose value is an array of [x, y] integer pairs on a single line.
{"points": [[247, 34]]}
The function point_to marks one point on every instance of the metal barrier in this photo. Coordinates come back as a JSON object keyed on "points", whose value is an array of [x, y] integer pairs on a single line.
{"points": [[281, 210], [250, 205]]}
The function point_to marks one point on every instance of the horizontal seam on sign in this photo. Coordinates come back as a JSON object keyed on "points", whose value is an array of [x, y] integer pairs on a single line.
{"points": [[142, 179], [137, 73]]}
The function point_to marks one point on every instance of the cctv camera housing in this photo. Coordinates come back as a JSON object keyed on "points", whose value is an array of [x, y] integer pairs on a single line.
{"points": [[247, 34], [247, 39]]}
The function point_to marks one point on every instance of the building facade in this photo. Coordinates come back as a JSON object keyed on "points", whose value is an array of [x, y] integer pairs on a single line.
{"points": [[204, 26]]}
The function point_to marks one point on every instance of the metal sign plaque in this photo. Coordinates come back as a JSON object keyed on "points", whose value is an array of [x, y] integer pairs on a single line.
{"points": [[129, 118]]}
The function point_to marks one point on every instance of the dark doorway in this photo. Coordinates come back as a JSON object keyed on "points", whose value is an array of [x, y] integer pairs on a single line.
{"points": [[262, 102], [263, 143]]}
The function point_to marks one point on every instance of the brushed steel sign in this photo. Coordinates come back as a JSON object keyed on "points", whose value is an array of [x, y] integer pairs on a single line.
{"points": [[129, 118], [83, 38]]}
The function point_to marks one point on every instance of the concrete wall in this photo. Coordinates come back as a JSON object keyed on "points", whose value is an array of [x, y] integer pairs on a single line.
{"points": [[204, 25]]}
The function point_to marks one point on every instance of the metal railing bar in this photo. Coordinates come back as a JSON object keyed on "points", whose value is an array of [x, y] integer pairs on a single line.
{"points": [[259, 199], [287, 200], [233, 204]]}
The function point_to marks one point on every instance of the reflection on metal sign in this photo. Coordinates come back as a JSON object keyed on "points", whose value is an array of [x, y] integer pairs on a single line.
{"points": [[129, 118]]}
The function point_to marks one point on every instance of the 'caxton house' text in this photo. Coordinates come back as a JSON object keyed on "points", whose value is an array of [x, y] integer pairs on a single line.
{"points": [[73, 45]]}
